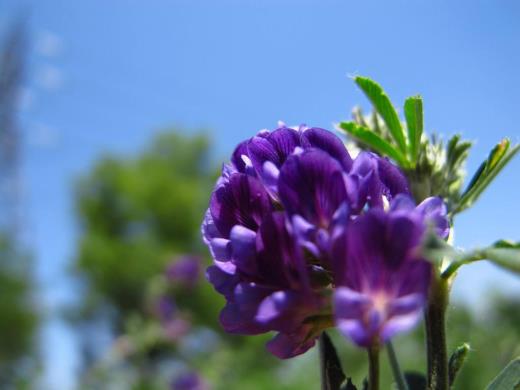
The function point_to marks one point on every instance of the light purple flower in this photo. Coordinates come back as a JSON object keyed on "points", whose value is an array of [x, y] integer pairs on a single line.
{"points": [[382, 282], [184, 270], [189, 381]]}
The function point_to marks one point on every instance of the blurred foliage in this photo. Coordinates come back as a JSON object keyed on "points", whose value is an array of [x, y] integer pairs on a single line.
{"points": [[18, 317], [136, 214]]}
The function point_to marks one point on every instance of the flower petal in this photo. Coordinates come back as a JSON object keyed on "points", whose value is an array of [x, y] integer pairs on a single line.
{"points": [[311, 185]]}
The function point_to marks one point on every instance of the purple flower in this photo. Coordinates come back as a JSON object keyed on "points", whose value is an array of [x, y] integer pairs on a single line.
{"points": [[176, 328], [184, 270], [165, 308], [382, 281], [280, 209], [264, 154], [189, 381]]}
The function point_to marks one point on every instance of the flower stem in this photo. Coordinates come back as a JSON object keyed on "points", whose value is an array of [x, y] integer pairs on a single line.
{"points": [[396, 370], [373, 367], [435, 317]]}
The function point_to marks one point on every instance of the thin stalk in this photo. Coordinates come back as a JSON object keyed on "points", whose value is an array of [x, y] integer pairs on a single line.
{"points": [[373, 367], [323, 364], [435, 319], [396, 370]]}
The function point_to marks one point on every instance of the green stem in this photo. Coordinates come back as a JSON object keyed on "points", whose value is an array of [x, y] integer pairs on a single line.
{"points": [[373, 367], [435, 317], [396, 370]]}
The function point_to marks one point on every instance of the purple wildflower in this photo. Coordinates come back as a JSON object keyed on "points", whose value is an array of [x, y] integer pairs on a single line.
{"points": [[382, 281], [279, 208], [165, 308], [189, 381], [184, 270]]}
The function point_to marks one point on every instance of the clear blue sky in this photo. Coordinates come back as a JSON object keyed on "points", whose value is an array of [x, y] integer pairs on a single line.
{"points": [[106, 75]]}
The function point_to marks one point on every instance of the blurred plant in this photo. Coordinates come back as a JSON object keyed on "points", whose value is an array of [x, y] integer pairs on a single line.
{"points": [[134, 215], [19, 317]]}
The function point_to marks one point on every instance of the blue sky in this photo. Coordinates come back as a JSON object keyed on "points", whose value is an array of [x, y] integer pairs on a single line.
{"points": [[106, 75]]}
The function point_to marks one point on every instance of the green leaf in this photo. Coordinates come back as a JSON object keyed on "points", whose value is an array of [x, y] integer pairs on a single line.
{"points": [[488, 170], [508, 258], [332, 375], [384, 107], [413, 112], [457, 360], [508, 379], [374, 141], [503, 253]]}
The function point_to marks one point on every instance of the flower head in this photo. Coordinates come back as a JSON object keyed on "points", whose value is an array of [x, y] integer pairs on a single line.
{"points": [[280, 207]]}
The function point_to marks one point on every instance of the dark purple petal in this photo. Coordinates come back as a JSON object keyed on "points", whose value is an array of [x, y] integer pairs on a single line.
{"points": [[243, 248], [392, 178], [402, 237], [377, 177], [435, 212], [402, 202], [239, 315], [285, 310], [275, 147], [240, 158], [328, 142], [222, 281], [365, 180], [285, 346], [279, 261], [311, 185], [241, 201], [220, 249]]}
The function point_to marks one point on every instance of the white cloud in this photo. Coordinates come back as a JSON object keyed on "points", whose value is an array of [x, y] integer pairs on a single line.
{"points": [[50, 77], [43, 136], [48, 44]]}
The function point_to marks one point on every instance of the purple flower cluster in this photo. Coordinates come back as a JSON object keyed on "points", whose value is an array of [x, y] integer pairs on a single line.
{"points": [[189, 381], [183, 274], [304, 237]]}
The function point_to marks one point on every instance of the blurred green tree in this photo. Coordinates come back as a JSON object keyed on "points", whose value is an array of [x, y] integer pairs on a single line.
{"points": [[18, 314], [135, 215]]}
